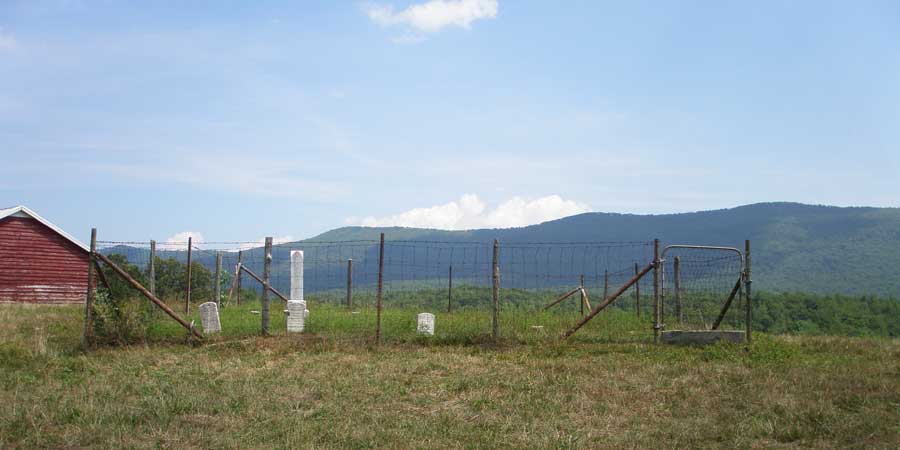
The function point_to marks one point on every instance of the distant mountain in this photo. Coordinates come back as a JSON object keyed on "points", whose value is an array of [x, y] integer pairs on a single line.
{"points": [[796, 247]]}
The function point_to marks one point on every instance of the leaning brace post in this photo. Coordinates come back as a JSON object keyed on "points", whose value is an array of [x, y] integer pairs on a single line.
{"points": [[564, 296], [727, 304], [656, 318], [263, 283], [637, 293], [678, 309], [187, 297], [350, 283], [450, 289], [135, 284], [217, 287], [102, 277], [152, 274], [581, 285], [89, 296], [495, 316], [748, 282], [380, 289], [267, 267], [608, 301]]}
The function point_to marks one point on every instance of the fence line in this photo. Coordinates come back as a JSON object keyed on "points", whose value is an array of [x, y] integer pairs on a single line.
{"points": [[445, 278]]}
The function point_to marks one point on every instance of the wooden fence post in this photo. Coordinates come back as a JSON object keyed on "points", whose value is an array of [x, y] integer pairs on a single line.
{"points": [[495, 317], [152, 274], [656, 308], [187, 297], [637, 293], [89, 296], [267, 267], [217, 288], [450, 289], [380, 289], [581, 284], [748, 280], [238, 278], [678, 306], [350, 283]]}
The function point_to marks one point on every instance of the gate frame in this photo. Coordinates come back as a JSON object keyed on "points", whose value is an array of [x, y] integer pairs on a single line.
{"points": [[743, 282]]}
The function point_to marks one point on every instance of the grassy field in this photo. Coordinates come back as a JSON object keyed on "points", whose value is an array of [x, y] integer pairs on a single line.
{"points": [[321, 391], [462, 326]]}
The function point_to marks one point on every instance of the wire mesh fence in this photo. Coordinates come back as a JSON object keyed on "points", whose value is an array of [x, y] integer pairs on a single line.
{"points": [[699, 284], [452, 281]]}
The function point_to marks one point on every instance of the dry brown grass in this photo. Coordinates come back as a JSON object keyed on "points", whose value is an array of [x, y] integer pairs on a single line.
{"points": [[315, 393]]}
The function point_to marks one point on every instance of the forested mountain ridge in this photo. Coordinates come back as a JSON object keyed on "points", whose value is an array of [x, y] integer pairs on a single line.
{"points": [[796, 247]]}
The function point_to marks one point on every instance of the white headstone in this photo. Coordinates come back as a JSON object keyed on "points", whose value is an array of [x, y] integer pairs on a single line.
{"points": [[425, 324], [296, 316], [209, 317], [297, 275]]}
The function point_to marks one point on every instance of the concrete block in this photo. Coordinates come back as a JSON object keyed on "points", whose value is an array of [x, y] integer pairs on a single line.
{"points": [[701, 337]]}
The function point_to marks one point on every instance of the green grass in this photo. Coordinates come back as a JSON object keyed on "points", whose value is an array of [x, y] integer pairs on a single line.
{"points": [[461, 326], [331, 389]]}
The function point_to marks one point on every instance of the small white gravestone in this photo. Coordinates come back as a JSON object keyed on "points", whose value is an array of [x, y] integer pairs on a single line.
{"points": [[209, 317], [296, 316], [425, 324]]}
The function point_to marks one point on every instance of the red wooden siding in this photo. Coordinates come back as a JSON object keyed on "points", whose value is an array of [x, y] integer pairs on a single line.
{"points": [[37, 265]]}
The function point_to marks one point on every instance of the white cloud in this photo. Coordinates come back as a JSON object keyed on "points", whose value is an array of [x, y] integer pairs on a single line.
{"points": [[471, 212], [261, 242], [179, 240], [434, 15], [8, 43]]}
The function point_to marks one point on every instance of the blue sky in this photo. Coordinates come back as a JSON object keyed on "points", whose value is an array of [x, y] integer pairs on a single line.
{"points": [[237, 120]]}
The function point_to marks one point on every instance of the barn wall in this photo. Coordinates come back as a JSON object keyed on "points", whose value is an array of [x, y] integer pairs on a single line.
{"points": [[38, 265]]}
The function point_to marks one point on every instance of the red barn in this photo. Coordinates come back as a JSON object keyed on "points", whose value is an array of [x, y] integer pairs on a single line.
{"points": [[39, 262]]}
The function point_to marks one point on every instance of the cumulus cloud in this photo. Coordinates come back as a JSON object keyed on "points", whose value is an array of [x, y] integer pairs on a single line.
{"points": [[434, 15], [179, 240], [261, 242], [471, 212]]}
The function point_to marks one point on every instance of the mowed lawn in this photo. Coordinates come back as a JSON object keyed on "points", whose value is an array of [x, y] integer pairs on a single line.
{"points": [[318, 391]]}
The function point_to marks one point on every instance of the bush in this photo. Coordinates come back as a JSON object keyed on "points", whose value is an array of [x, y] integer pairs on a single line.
{"points": [[118, 320]]}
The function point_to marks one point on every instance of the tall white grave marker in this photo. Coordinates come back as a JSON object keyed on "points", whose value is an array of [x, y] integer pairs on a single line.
{"points": [[297, 275], [296, 307]]}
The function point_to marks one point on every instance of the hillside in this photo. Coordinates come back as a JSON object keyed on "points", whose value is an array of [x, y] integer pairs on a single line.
{"points": [[797, 247]]}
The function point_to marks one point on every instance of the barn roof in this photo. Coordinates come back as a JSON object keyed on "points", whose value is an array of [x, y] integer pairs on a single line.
{"points": [[23, 211]]}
